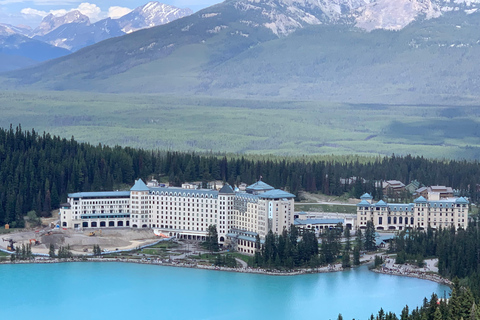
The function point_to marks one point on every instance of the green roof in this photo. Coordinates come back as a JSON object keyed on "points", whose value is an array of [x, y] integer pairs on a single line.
{"points": [[100, 194], [363, 203], [259, 186], [276, 194], [461, 200], [140, 186], [381, 203], [226, 189], [420, 200]]}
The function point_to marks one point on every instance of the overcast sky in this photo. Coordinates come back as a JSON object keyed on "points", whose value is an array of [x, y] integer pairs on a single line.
{"points": [[31, 12]]}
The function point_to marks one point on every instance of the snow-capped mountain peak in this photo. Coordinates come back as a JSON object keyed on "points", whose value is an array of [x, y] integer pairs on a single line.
{"points": [[52, 22], [151, 14]]}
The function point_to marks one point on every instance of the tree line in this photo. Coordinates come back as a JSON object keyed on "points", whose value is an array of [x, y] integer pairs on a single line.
{"points": [[301, 248], [285, 251], [460, 306], [38, 170]]}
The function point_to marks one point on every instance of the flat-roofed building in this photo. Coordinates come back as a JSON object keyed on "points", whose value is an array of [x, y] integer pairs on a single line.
{"points": [[96, 210], [320, 221]]}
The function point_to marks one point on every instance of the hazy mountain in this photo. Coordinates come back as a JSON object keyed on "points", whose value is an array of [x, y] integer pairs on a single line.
{"points": [[17, 51], [51, 22], [74, 36], [423, 51], [74, 31], [7, 29]]}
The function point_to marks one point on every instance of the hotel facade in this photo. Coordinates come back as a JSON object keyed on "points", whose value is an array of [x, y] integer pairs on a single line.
{"points": [[420, 214], [185, 213]]}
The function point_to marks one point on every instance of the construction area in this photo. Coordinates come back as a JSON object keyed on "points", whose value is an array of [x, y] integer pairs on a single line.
{"points": [[80, 242]]}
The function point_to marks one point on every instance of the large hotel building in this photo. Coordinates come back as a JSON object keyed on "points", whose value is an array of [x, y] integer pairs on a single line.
{"points": [[435, 212], [185, 213]]}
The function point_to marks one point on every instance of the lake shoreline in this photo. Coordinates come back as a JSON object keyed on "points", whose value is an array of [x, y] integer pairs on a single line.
{"points": [[415, 274], [328, 269]]}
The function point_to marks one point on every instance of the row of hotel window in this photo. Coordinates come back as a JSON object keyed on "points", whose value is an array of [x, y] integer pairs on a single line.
{"points": [[401, 221], [429, 214]]}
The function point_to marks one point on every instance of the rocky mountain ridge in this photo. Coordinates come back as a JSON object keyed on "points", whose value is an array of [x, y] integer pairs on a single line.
{"points": [[51, 22], [285, 16], [150, 15], [74, 30], [350, 50]]}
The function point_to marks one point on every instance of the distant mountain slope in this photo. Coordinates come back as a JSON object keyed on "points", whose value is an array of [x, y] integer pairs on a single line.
{"points": [[7, 30], [51, 22], [76, 35], [18, 51], [74, 30], [284, 48]]}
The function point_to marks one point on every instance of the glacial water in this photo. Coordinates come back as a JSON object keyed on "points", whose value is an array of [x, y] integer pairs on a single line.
{"points": [[93, 290]]}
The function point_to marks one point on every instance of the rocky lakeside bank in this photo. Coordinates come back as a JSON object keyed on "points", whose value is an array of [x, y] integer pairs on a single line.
{"points": [[332, 268], [414, 274]]}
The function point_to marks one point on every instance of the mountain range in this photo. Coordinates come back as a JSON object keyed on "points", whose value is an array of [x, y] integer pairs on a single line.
{"points": [[74, 31], [386, 51]]}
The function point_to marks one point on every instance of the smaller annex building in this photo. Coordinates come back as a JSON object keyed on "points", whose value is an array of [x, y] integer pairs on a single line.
{"points": [[320, 221], [420, 214]]}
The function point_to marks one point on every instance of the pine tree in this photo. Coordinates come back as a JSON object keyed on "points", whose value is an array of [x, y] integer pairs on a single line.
{"points": [[370, 242], [356, 256], [51, 251]]}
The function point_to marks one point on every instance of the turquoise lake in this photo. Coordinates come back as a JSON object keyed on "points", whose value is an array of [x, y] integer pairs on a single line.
{"points": [[95, 290]]}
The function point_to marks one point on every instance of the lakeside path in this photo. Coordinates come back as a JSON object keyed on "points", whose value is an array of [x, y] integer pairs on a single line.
{"points": [[331, 268]]}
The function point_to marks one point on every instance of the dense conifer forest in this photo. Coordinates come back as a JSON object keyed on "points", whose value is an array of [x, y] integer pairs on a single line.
{"points": [[38, 170], [460, 306]]}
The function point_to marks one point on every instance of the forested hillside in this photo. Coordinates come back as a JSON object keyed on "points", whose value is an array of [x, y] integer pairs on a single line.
{"points": [[38, 170]]}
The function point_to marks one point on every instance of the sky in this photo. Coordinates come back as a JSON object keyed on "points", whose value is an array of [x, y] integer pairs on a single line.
{"points": [[31, 12]]}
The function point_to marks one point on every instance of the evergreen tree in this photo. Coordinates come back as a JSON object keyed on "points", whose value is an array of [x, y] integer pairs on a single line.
{"points": [[51, 251], [370, 241], [211, 241], [356, 256]]}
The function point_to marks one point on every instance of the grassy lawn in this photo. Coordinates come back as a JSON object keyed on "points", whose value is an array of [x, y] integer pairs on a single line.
{"points": [[325, 208], [198, 123], [3, 254], [165, 245], [240, 256], [153, 251]]}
